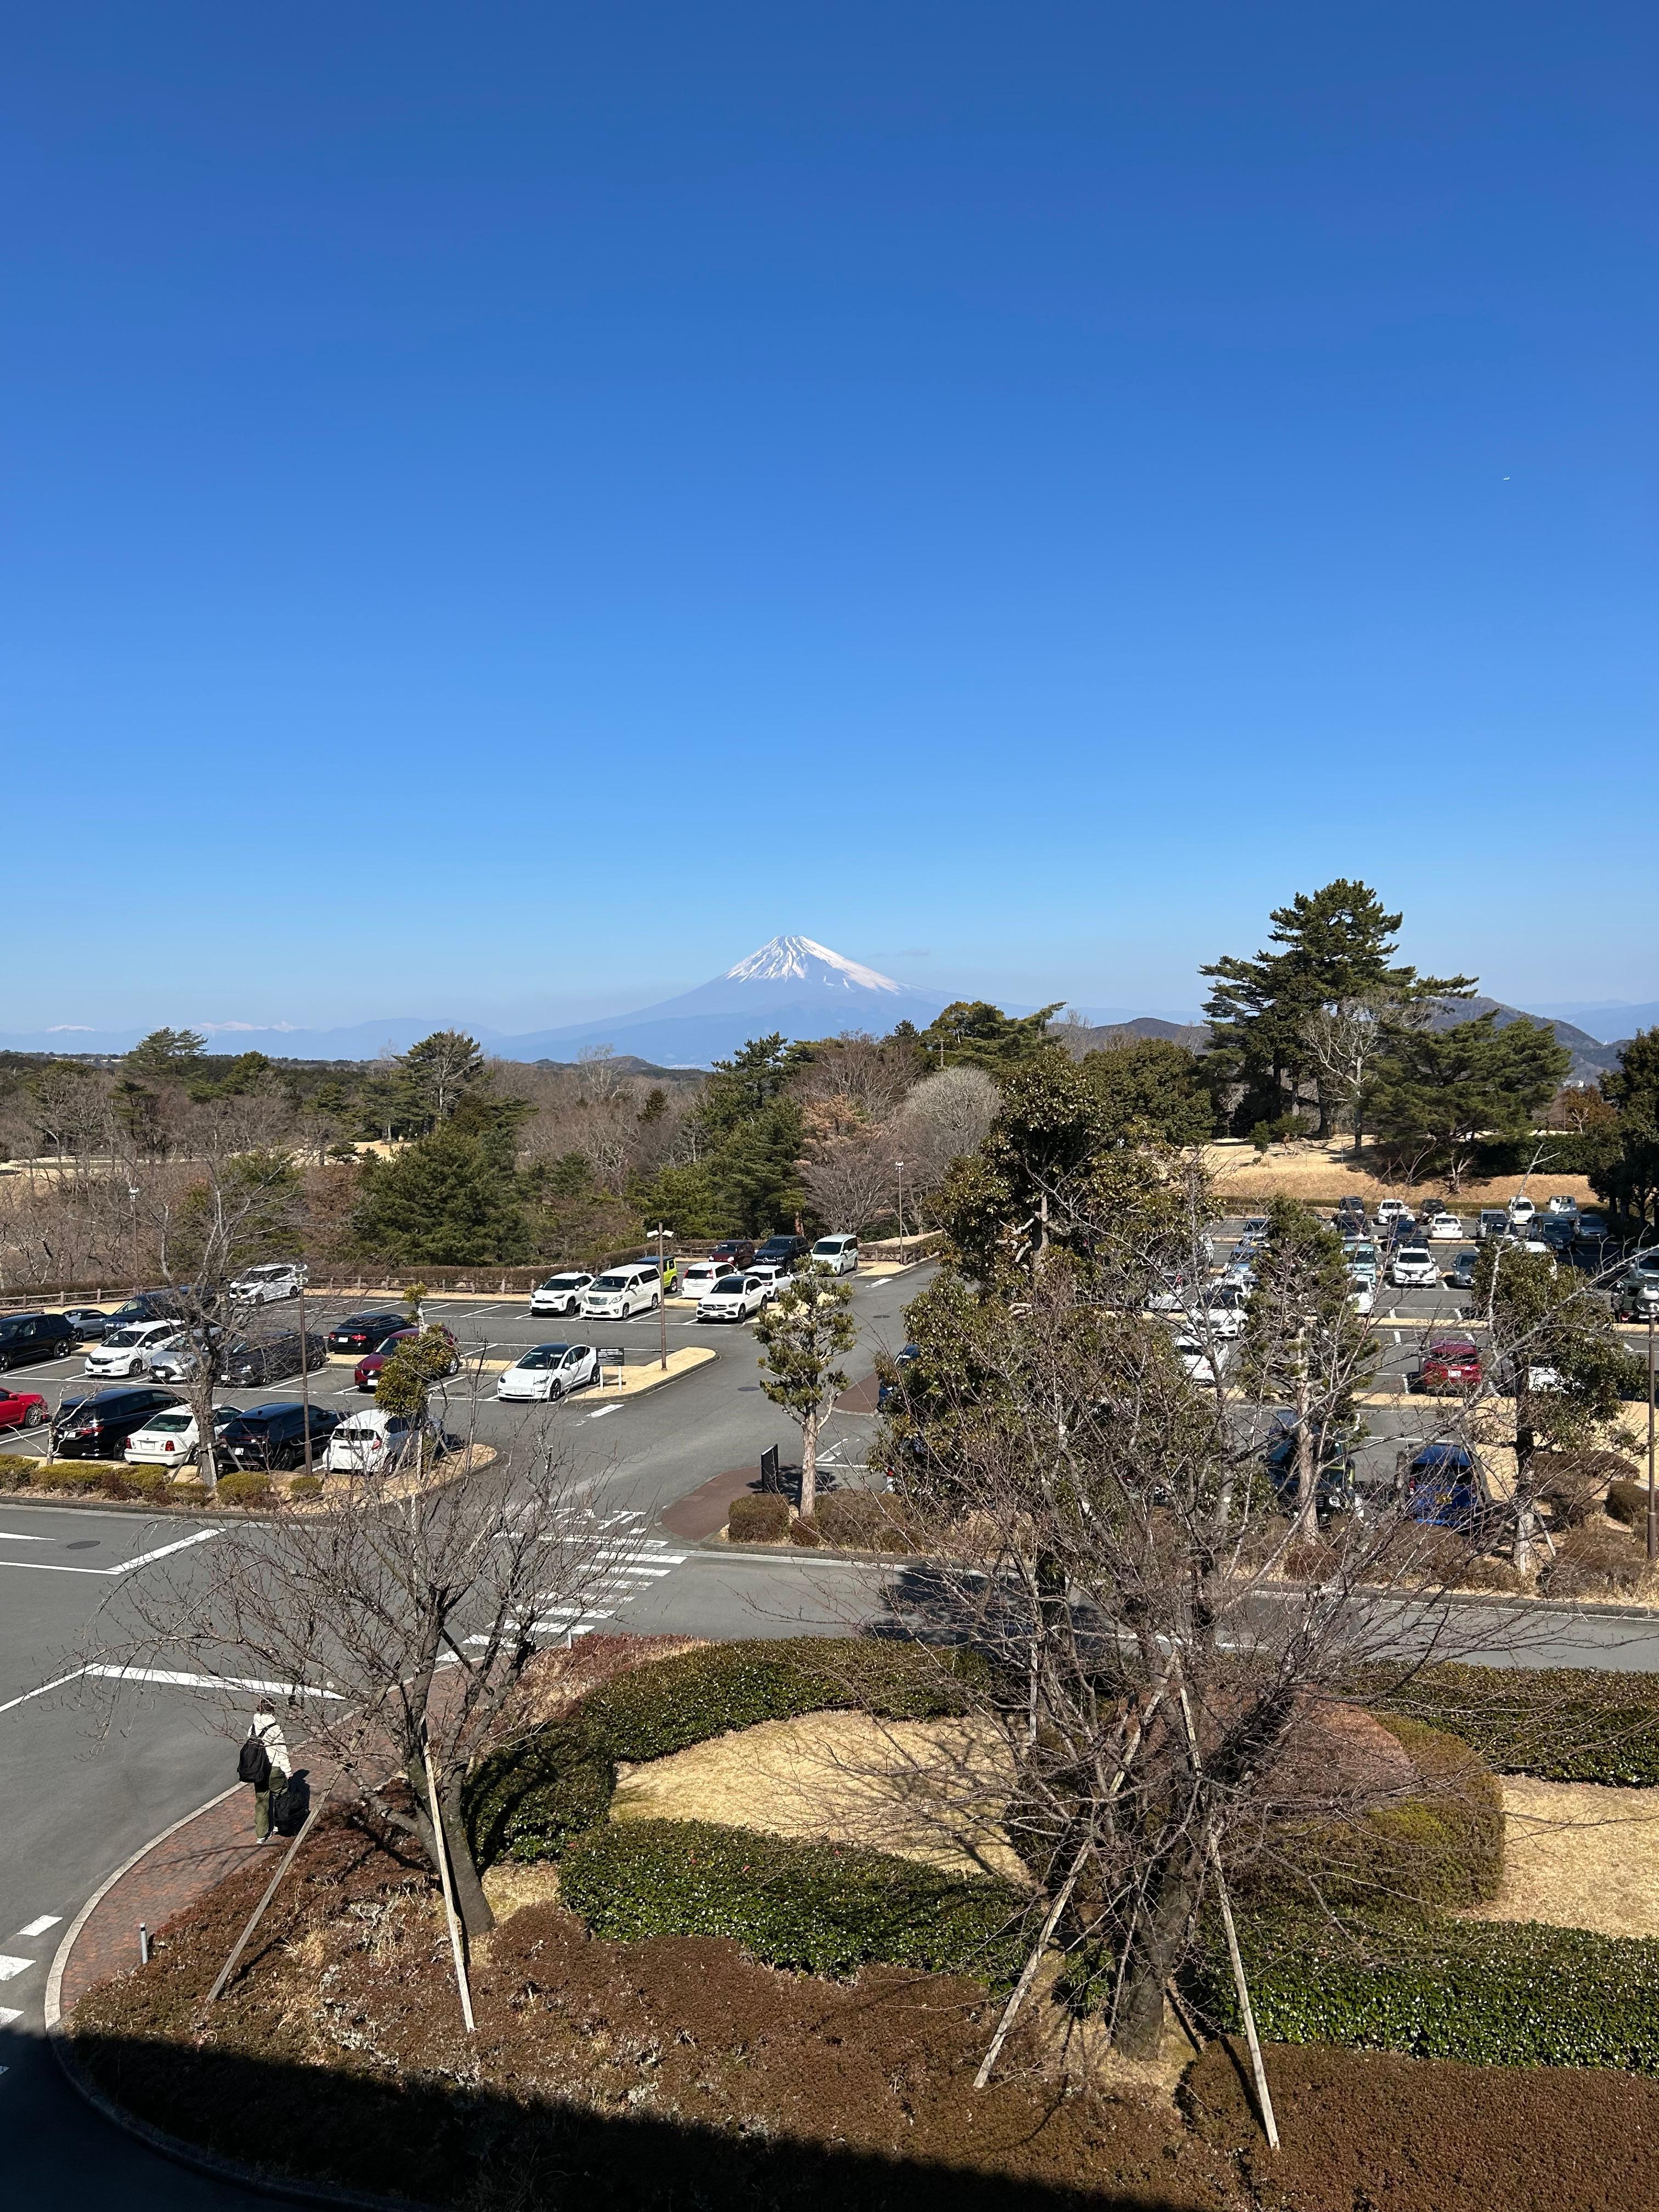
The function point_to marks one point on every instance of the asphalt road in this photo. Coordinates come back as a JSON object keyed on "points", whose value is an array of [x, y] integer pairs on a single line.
{"points": [[81, 1798]]}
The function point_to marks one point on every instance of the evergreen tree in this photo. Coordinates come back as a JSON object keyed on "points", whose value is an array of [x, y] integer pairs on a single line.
{"points": [[449, 1199], [436, 1073], [1153, 1090], [1630, 1179], [1338, 944], [166, 1056], [972, 1033], [1436, 1095]]}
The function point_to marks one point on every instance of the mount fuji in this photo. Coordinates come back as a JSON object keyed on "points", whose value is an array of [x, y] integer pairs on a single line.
{"points": [[791, 984]]}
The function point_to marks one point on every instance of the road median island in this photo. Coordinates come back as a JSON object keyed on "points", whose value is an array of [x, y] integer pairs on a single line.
{"points": [[626, 1381], [103, 1487], [765, 1864]]}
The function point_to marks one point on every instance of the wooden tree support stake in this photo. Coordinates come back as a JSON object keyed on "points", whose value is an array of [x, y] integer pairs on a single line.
{"points": [[456, 1949], [230, 1967], [1264, 2097]]}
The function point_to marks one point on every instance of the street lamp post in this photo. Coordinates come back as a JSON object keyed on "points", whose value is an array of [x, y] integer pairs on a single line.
{"points": [[1653, 1498], [899, 1164], [659, 1233], [132, 1203]]}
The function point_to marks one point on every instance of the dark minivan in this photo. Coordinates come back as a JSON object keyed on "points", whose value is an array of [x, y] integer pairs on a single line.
{"points": [[267, 1359], [781, 1252], [26, 1338], [269, 1436], [98, 1426]]}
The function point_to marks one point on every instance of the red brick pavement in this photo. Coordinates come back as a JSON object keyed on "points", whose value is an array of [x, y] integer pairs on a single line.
{"points": [[172, 1874], [704, 1510], [861, 1397]]}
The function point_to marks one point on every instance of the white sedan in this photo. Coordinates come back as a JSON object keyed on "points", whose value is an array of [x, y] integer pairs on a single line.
{"points": [[548, 1370], [128, 1351], [169, 1438], [1446, 1229], [559, 1294], [1363, 1297], [1222, 1311], [263, 1287], [1412, 1268], [734, 1297]]}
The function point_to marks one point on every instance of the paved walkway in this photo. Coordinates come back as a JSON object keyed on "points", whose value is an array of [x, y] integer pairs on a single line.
{"points": [[204, 1849]]}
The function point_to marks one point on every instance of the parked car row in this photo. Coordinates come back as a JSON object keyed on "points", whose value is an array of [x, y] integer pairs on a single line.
{"points": [[638, 1287]]}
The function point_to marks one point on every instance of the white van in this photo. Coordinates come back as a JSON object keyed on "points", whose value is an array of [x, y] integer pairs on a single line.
{"points": [[370, 1443], [838, 1255], [621, 1292]]}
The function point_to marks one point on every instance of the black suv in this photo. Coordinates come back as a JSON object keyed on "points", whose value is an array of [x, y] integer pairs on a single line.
{"points": [[26, 1339], [365, 1332], [780, 1251], [269, 1436], [97, 1425], [266, 1359]]}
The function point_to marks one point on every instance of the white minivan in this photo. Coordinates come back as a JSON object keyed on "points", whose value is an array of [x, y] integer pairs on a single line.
{"points": [[621, 1292], [838, 1255]]}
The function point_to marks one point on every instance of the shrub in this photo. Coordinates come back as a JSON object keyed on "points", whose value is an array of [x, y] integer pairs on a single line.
{"points": [[1491, 1993], [305, 1486], [188, 1493], [245, 1486], [862, 1519], [76, 1476], [151, 1483], [804, 1532], [15, 1468], [529, 1799], [1444, 1846], [823, 1908], [1570, 1482], [763, 1520], [1562, 1723], [1627, 1501], [1592, 1562]]}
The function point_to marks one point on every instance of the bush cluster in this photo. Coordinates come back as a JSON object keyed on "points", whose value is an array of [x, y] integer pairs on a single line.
{"points": [[1490, 1993], [245, 1485], [759, 1520], [862, 1520], [1627, 1501], [820, 1908], [15, 1468], [1593, 1562], [528, 1800], [1562, 1723]]}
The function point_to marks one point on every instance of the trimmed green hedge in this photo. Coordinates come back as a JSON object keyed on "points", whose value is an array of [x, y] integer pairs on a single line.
{"points": [[764, 1520], [527, 1800], [1562, 1723], [1444, 1847], [1491, 1993], [819, 1908]]}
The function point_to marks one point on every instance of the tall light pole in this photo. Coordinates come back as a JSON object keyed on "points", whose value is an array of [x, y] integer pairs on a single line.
{"points": [[659, 1233], [132, 1203], [1653, 1498], [899, 1164]]}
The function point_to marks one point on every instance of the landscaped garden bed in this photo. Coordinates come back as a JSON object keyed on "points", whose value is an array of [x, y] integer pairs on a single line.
{"points": [[158, 1489], [675, 2010]]}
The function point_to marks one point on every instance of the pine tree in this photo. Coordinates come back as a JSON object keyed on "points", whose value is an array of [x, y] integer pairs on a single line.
{"points": [[1339, 943]]}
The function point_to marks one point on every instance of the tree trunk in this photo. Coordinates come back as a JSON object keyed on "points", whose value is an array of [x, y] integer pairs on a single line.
{"points": [[474, 1907], [1154, 1949], [809, 1466], [1526, 1513], [1307, 1475]]}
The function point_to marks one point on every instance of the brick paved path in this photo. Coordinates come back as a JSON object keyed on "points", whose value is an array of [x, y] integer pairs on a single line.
{"points": [[210, 1845]]}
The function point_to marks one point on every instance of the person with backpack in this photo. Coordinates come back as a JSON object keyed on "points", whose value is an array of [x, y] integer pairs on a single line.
{"points": [[263, 1761]]}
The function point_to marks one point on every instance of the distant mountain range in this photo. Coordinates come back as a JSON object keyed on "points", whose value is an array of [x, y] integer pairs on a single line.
{"points": [[791, 984]]}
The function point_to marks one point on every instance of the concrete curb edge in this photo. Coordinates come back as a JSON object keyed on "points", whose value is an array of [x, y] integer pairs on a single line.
{"points": [[154, 2138]]}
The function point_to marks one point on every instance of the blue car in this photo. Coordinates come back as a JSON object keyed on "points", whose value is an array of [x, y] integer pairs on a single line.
{"points": [[1443, 1487]]}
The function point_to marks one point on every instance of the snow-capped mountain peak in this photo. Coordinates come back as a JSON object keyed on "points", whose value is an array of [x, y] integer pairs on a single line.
{"points": [[799, 960]]}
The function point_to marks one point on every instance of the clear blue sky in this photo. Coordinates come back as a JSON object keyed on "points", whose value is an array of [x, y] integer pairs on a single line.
{"points": [[1011, 492]]}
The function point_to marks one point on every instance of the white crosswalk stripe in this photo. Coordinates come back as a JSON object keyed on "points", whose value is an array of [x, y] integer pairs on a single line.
{"points": [[625, 1568]]}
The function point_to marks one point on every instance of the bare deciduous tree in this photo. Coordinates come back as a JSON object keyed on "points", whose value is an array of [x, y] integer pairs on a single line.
{"points": [[401, 1620]]}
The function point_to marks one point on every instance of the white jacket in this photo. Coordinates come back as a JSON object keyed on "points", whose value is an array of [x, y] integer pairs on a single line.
{"points": [[269, 1731]]}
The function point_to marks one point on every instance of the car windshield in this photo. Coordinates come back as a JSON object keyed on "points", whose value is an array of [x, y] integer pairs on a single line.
{"points": [[563, 1282], [120, 1337], [544, 1355], [612, 1283], [169, 1424], [1413, 1255], [729, 1285]]}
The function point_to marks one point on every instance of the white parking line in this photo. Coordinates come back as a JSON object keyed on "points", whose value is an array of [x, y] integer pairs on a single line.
{"points": [[170, 1680], [122, 1566], [11, 1536], [10, 1967], [39, 1927], [8, 2014]]}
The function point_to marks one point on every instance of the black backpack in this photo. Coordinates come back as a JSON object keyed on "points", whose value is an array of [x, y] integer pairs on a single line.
{"points": [[253, 1762], [289, 1805]]}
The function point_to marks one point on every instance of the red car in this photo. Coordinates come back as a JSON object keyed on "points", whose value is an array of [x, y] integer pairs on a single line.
{"points": [[22, 1409], [366, 1374], [1450, 1363]]}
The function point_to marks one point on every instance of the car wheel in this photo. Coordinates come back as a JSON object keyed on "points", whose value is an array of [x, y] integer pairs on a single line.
{"points": [[34, 1416]]}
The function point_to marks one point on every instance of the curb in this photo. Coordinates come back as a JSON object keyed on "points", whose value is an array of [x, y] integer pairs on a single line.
{"points": [[209, 2162]]}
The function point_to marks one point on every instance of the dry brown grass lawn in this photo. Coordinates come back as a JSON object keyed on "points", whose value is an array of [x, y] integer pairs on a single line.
{"points": [[1321, 1173], [923, 1789], [1579, 1855]]}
